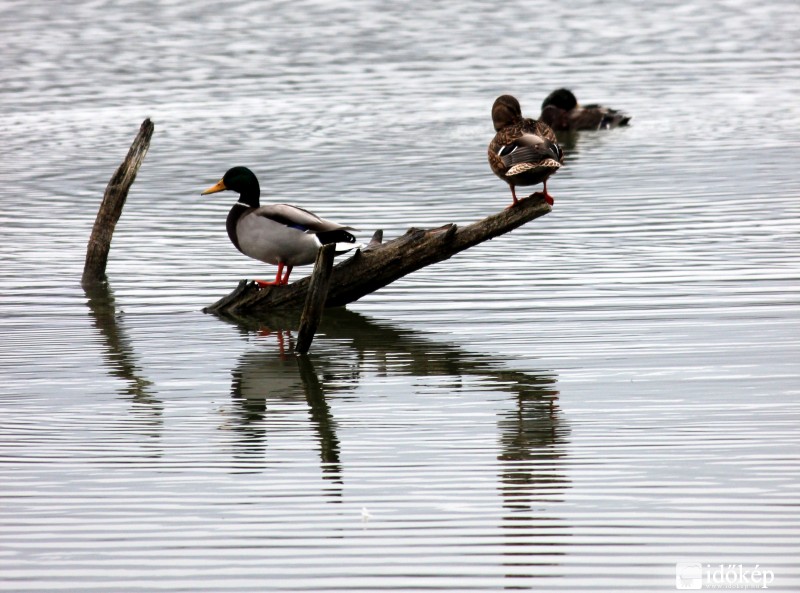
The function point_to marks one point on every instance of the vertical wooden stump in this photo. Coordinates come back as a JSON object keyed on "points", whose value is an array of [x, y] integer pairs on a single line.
{"points": [[315, 298], [94, 268]]}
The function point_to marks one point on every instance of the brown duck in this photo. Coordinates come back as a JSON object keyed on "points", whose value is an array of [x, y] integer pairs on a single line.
{"points": [[524, 151], [562, 112]]}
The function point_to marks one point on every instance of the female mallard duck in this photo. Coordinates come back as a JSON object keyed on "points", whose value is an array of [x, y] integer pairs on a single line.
{"points": [[278, 234], [562, 112], [524, 151]]}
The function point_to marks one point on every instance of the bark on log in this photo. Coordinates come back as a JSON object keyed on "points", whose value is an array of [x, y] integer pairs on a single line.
{"points": [[381, 263], [94, 268], [315, 299]]}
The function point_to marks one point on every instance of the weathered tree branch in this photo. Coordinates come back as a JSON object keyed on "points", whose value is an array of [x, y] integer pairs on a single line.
{"points": [[94, 268], [381, 263], [315, 299]]}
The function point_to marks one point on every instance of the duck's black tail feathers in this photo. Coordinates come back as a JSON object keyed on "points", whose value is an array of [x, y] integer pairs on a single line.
{"points": [[335, 236], [613, 118]]}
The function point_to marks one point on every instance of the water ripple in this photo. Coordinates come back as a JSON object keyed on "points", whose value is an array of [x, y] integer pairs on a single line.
{"points": [[577, 405]]}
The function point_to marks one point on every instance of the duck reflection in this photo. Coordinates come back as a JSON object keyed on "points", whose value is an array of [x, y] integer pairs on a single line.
{"points": [[267, 385], [568, 141], [121, 358], [533, 438]]}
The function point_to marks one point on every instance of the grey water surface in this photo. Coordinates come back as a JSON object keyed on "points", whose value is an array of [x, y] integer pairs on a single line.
{"points": [[589, 403]]}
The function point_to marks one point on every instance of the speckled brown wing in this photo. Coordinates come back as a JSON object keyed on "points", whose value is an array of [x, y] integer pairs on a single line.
{"points": [[502, 138], [538, 127], [597, 117], [588, 117], [585, 118], [531, 160], [511, 133]]}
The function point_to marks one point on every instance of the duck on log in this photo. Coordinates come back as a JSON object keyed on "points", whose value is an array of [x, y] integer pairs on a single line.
{"points": [[380, 264]]}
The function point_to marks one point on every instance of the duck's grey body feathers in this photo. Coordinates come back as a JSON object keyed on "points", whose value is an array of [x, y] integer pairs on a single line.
{"points": [[282, 233]]}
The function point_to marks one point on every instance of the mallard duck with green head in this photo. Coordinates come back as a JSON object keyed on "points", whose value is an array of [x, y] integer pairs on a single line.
{"points": [[562, 112], [277, 234], [523, 151]]}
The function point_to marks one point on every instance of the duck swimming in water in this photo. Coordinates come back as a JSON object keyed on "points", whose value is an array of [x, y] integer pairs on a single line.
{"points": [[562, 112], [277, 234], [524, 151]]}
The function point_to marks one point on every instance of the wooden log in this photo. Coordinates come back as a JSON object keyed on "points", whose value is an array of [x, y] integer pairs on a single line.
{"points": [[94, 268], [315, 298], [380, 264]]}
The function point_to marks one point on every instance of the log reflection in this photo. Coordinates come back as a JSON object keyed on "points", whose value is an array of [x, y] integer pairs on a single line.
{"points": [[266, 385], [121, 357], [532, 434]]}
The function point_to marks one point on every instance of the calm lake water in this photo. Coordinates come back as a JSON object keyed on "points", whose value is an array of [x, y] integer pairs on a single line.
{"points": [[581, 404]]}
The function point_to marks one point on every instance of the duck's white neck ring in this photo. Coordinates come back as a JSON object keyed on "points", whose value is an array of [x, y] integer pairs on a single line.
{"points": [[243, 204]]}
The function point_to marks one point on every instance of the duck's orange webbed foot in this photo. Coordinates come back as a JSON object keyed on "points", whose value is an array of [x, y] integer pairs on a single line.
{"points": [[280, 278], [514, 197], [548, 198]]}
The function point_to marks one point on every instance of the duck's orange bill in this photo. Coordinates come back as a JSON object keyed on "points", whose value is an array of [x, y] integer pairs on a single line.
{"points": [[219, 186]]}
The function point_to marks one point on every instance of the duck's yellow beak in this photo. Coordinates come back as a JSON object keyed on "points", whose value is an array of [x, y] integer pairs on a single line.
{"points": [[219, 186]]}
